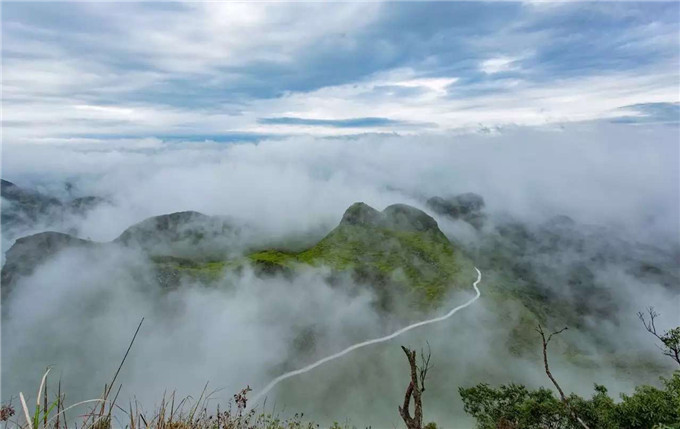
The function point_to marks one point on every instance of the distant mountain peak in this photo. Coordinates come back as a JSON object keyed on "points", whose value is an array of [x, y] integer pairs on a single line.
{"points": [[24, 209], [360, 214], [400, 217], [172, 223], [29, 252], [187, 234]]}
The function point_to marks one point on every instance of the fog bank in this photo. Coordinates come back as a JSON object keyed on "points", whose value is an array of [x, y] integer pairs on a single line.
{"points": [[78, 311]]}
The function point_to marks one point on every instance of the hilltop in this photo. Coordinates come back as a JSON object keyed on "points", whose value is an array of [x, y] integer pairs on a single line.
{"points": [[401, 247]]}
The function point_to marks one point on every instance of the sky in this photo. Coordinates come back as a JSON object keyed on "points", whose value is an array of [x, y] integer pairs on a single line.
{"points": [[98, 71]]}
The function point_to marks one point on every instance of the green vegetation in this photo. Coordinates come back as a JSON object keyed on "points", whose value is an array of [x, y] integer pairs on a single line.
{"points": [[425, 262], [101, 413], [514, 406], [272, 261], [511, 406], [171, 269], [274, 257], [399, 249]]}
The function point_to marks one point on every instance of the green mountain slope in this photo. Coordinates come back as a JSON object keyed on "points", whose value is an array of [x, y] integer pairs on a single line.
{"points": [[401, 247], [399, 252]]}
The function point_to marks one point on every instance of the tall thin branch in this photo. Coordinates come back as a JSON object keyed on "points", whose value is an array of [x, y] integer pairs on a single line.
{"points": [[565, 400], [670, 339]]}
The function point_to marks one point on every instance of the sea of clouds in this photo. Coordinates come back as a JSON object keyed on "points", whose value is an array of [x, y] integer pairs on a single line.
{"points": [[77, 312]]}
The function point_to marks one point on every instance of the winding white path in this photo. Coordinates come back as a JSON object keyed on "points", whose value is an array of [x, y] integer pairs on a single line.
{"points": [[349, 349]]}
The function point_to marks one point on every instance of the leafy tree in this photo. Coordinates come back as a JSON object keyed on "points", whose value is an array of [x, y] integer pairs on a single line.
{"points": [[651, 407], [514, 406]]}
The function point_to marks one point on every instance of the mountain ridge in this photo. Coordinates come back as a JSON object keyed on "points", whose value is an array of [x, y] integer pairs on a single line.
{"points": [[401, 246]]}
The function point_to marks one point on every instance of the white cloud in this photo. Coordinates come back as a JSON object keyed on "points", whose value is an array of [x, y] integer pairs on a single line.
{"points": [[50, 75], [499, 64], [567, 100], [524, 171]]}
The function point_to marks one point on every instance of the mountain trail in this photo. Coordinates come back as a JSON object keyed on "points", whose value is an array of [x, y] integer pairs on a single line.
{"points": [[357, 346]]}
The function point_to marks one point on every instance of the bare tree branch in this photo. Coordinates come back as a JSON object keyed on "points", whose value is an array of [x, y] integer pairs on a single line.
{"points": [[424, 365], [670, 339], [565, 400], [415, 389]]}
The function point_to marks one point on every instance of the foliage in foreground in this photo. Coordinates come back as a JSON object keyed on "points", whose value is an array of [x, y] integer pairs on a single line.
{"points": [[510, 406], [169, 415], [514, 406]]}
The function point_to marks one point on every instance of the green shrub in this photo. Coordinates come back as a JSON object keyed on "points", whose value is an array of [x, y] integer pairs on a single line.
{"points": [[515, 406]]}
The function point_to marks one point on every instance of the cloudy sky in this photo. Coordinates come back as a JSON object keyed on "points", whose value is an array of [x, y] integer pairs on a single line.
{"points": [[91, 71]]}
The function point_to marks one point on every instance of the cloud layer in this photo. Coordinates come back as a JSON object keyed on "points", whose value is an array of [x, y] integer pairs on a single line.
{"points": [[613, 174], [229, 70], [620, 176]]}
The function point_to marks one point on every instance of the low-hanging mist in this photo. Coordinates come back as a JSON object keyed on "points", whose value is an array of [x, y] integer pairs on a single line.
{"points": [[78, 311], [598, 173]]}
